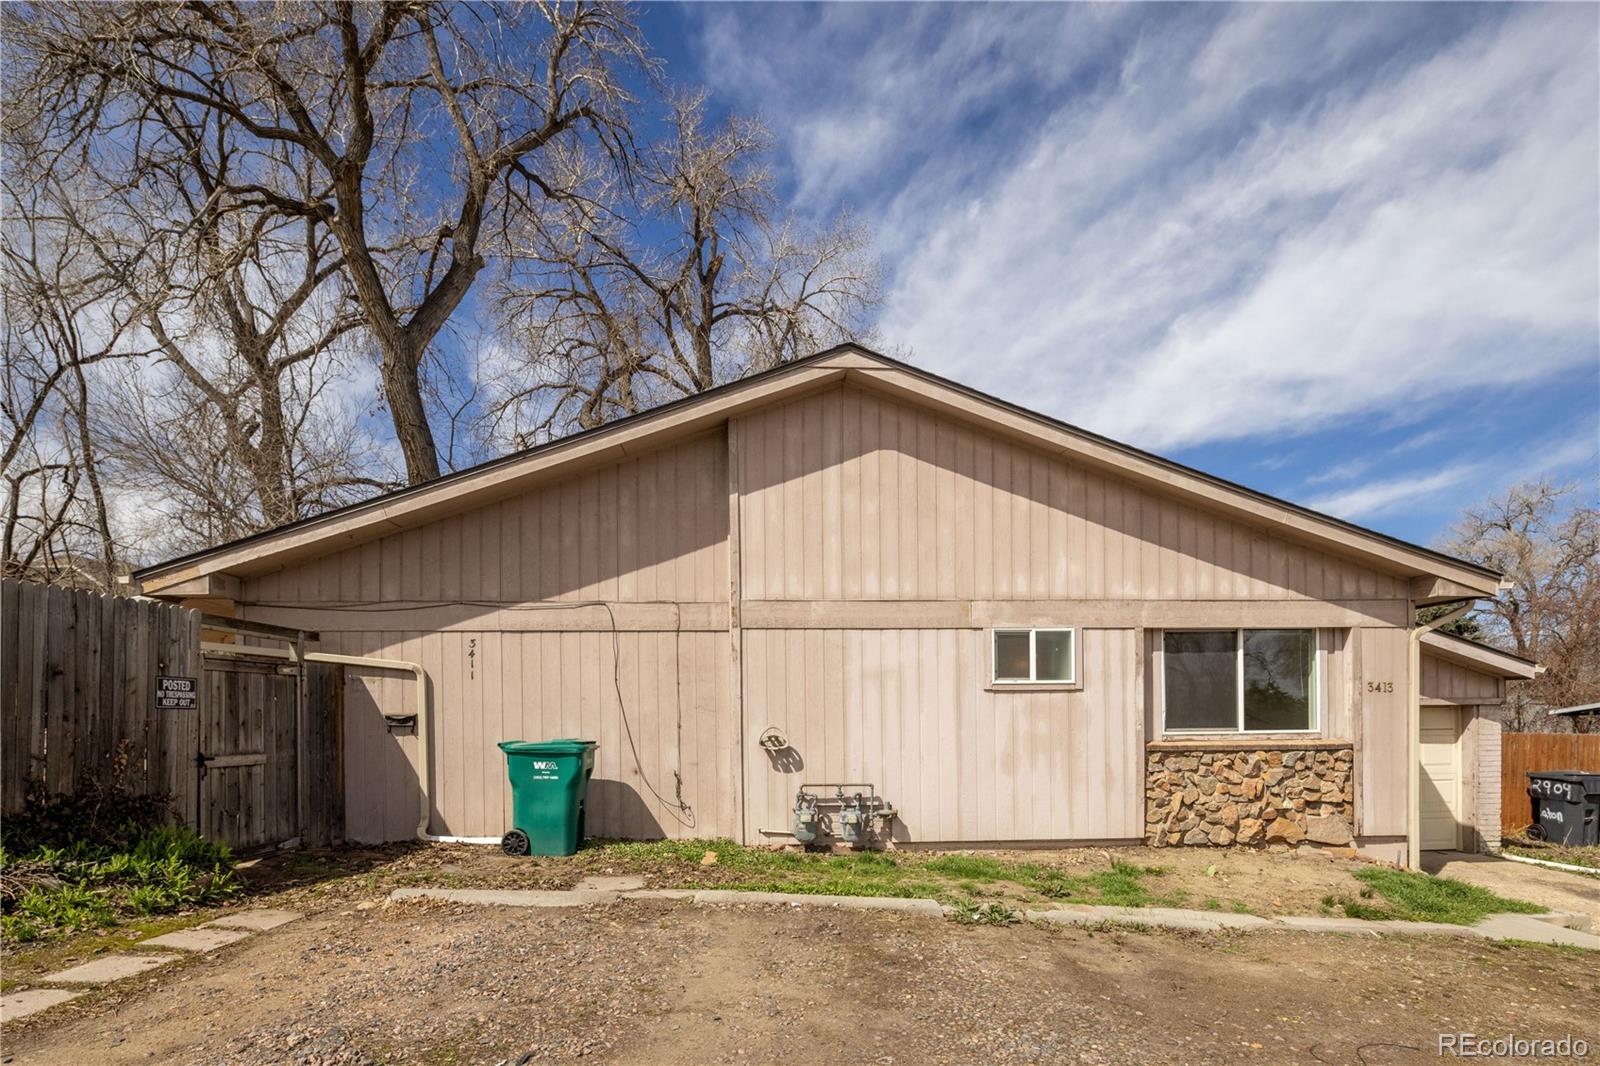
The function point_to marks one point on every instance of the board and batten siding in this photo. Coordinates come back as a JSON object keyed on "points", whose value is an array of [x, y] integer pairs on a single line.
{"points": [[649, 530], [911, 712], [849, 495], [876, 544], [488, 686], [1451, 682], [1383, 737], [510, 609]]}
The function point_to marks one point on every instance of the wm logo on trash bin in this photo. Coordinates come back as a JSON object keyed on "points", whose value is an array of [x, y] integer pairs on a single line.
{"points": [[542, 764]]}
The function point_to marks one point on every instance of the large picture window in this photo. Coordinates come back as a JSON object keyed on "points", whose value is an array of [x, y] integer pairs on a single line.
{"points": [[1034, 656], [1240, 680]]}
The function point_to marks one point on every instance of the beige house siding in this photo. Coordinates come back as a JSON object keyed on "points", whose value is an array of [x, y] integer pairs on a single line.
{"points": [[876, 543], [1448, 682], [650, 529], [492, 603], [1382, 740], [849, 495], [911, 711]]}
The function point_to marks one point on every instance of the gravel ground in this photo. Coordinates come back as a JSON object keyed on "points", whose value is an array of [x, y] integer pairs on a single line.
{"points": [[664, 983]]}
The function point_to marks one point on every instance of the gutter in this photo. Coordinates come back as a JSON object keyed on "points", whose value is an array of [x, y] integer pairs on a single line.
{"points": [[425, 812], [1414, 731]]}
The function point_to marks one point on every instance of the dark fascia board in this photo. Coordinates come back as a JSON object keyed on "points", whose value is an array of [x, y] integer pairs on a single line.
{"points": [[712, 395]]}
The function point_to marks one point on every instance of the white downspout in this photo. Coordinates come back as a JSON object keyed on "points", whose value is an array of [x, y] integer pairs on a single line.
{"points": [[425, 814], [1414, 734]]}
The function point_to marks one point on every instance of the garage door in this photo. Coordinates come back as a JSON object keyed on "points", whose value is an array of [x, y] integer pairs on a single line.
{"points": [[1441, 777]]}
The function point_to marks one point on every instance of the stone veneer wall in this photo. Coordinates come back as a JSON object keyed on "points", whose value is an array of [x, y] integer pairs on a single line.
{"points": [[1209, 796]]}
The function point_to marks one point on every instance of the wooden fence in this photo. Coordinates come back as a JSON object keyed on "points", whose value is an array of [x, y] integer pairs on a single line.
{"points": [[1522, 752], [79, 677]]}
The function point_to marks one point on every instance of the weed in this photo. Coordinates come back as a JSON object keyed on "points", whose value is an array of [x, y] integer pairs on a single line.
{"points": [[969, 913], [88, 883], [1507, 943]]}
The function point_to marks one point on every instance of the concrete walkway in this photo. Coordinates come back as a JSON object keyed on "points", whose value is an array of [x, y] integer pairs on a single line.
{"points": [[1542, 929], [1556, 889], [199, 939]]}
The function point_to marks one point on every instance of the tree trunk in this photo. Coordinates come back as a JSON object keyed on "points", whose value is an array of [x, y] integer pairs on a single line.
{"points": [[270, 461], [403, 389]]}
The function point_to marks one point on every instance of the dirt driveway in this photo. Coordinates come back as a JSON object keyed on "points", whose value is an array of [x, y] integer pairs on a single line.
{"points": [[1556, 889], [656, 982]]}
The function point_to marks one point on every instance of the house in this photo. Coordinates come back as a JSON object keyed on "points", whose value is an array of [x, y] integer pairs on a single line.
{"points": [[848, 571]]}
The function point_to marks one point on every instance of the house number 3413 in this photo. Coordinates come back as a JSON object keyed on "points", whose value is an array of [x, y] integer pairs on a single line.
{"points": [[1380, 686]]}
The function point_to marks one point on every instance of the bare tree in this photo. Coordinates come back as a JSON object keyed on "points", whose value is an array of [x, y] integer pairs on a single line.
{"points": [[627, 293], [246, 303], [1546, 539], [65, 318], [411, 131]]}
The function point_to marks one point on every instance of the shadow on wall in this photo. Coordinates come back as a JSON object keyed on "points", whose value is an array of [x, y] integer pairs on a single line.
{"points": [[615, 809], [785, 760]]}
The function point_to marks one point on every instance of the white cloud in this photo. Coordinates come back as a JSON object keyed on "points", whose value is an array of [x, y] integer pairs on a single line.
{"points": [[1253, 228], [1378, 497]]}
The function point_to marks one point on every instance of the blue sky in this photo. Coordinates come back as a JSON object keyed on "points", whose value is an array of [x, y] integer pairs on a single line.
{"points": [[1346, 255]]}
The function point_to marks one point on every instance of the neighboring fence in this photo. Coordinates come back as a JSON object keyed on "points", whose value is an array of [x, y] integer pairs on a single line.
{"points": [[81, 677], [1522, 752]]}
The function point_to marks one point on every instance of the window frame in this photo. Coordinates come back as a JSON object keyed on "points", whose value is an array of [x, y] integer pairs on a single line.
{"points": [[1033, 680], [1318, 673]]}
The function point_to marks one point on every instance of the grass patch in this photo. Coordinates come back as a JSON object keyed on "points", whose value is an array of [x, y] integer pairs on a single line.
{"points": [[1407, 896], [950, 878]]}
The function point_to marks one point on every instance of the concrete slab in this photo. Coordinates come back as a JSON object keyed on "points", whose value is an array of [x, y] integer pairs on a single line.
{"points": [[1529, 927], [1518, 927], [926, 907], [1186, 921], [110, 968], [508, 897], [1220, 919], [257, 921], [197, 939], [1311, 924], [605, 883], [14, 1005], [660, 893]]}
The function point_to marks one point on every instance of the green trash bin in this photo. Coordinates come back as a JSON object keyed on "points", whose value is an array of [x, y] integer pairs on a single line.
{"points": [[549, 787]]}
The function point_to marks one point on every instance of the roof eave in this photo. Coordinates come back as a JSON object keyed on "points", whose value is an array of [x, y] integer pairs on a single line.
{"points": [[1436, 577]]}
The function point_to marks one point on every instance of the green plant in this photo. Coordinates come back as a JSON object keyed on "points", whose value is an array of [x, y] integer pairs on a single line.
{"points": [[16, 928], [72, 885], [970, 913], [1416, 897]]}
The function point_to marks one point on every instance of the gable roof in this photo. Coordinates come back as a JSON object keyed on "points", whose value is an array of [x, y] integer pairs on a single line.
{"points": [[1480, 657], [1437, 577]]}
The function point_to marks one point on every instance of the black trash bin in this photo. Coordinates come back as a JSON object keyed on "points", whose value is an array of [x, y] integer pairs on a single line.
{"points": [[1566, 806]]}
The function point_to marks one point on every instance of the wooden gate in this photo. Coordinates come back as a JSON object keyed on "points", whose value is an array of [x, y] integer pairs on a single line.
{"points": [[85, 681], [247, 752]]}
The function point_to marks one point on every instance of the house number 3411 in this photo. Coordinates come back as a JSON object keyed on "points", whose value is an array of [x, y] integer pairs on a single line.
{"points": [[1380, 686]]}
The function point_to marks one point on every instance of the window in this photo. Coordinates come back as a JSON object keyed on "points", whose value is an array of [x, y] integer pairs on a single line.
{"points": [[1034, 656], [1240, 680]]}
